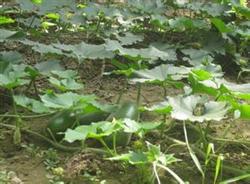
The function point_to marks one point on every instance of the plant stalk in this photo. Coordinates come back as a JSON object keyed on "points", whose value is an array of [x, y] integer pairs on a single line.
{"points": [[56, 145]]}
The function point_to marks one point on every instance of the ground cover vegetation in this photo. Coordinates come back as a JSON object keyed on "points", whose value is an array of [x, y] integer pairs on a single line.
{"points": [[133, 91]]}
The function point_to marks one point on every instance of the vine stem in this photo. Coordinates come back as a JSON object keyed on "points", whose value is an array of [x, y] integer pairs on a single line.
{"points": [[114, 142], [17, 133], [106, 146], [55, 144], [165, 94], [156, 173], [138, 99], [25, 116]]}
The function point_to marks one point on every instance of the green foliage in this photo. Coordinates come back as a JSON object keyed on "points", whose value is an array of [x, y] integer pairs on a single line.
{"points": [[196, 108], [6, 20], [31, 104], [186, 45], [161, 73]]}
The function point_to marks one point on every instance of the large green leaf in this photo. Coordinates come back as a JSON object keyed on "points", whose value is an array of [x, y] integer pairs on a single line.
{"points": [[64, 100], [148, 6], [65, 84], [129, 38], [47, 67], [218, 82], [188, 108], [161, 73], [43, 48], [80, 51], [212, 9], [45, 6], [221, 26], [15, 76], [6, 34], [151, 53], [160, 108], [65, 80], [196, 56], [84, 50], [65, 74], [131, 126], [95, 130], [9, 58], [31, 104], [183, 24]]}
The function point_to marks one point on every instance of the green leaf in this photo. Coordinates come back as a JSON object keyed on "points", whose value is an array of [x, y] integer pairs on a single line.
{"points": [[147, 126], [220, 25], [196, 108], [77, 134], [31, 104], [32, 72], [214, 70], [65, 84], [5, 34], [137, 158], [43, 48], [6, 20], [65, 74], [129, 38], [152, 155], [161, 73], [218, 167], [131, 126], [196, 56], [209, 152], [216, 83], [151, 53], [65, 100], [7, 59], [148, 6], [47, 67], [84, 50], [133, 158], [212, 9], [160, 108], [95, 131], [104, 129], [53, 16], [202, 75], [241, 10], [14, 77], [37, 1], [46, 6], [47, 25], [244, 110], [235, 179], [183, 24]]}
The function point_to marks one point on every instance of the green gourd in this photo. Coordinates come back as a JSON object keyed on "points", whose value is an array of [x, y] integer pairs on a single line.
{"points": [[68, 119], [127, 110]]}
